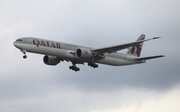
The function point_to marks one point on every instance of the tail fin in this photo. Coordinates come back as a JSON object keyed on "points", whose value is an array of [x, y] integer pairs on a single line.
{"points": [[136, 50]]}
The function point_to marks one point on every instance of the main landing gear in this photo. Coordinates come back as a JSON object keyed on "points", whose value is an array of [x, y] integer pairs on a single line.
{"points": [[24, 52], [73, 67], [92, 64]]}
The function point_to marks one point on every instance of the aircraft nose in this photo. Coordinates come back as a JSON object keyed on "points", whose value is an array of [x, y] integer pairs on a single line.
{"points": [[15, 44]]}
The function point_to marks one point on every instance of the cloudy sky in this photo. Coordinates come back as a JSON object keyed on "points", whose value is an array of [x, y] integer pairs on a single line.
{"points": [[30, 85]]}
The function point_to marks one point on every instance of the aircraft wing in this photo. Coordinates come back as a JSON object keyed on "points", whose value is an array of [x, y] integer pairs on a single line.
{"points": [[118, 47]]}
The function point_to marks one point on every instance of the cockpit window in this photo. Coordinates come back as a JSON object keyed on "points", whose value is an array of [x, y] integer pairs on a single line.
{"points": [[19, 40]]}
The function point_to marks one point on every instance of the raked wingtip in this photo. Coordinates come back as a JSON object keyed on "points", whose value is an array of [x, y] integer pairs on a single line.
{"points": [[156, 37]]}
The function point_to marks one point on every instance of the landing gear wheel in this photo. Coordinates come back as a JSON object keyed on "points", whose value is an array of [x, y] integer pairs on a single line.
{"points": [[74, 68], [24, 52], [24, 56], [94, 65], [77, 69]]}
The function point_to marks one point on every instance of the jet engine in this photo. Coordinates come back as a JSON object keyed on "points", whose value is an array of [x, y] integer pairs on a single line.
{"points": [[51, 60], [83, 53]]}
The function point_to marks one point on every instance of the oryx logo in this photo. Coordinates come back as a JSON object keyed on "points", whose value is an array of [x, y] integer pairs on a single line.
{"points": [[137, 49]]}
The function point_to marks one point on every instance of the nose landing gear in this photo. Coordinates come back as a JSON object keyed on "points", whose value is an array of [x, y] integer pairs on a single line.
{"points": [[24, 52], [24, 56]]}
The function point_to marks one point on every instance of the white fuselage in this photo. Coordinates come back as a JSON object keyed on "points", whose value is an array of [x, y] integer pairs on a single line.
{"points": [[64, 51]]}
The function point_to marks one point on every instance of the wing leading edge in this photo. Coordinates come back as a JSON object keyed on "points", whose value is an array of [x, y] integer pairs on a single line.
{"points": [[118, 47]]}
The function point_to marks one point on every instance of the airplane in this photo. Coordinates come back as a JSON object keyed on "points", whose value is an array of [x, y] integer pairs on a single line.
{"points": [[54, 52]]}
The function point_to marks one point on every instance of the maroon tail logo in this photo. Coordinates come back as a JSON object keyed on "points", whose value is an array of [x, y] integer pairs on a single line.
{"points": [[137, 49]]}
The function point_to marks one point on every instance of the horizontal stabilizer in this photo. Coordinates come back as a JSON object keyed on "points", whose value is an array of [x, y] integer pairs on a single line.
{"points": [[149, 57]]}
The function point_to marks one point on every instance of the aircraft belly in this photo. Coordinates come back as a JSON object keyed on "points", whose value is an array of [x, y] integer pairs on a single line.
{"points": [[115, 61]]}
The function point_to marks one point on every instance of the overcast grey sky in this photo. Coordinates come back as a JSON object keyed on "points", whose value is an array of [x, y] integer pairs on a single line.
{"points": [[30, 85]]}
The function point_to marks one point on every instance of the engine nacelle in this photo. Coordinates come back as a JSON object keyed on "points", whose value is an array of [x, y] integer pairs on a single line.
{"points": [[84, 53], [51, 60]]}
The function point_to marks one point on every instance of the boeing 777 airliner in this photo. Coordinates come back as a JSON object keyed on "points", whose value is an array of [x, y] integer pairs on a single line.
{"points": [[55, 52]]}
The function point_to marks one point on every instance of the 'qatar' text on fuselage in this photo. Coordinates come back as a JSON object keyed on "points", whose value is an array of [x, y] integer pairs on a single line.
{"points": [[46, 44]]}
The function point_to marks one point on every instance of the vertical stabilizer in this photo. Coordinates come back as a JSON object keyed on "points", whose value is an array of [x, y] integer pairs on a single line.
{"points": [[136, 50]]}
